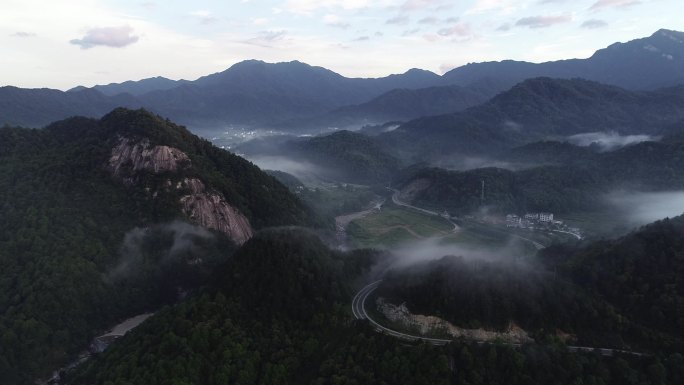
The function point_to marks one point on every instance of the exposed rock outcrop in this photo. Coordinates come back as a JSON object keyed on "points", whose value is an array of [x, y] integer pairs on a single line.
{"points": [[201, 205], [210, 210], [141, 156], [426, 324]]}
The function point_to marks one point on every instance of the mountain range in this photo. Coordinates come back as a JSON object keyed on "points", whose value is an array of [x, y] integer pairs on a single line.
{"points": [[260, 94]]}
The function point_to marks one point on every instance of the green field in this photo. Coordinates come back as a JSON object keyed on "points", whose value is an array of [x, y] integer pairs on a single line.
{"points": [[395, 225]]}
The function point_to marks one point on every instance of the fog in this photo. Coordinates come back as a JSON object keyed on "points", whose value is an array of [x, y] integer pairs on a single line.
{"points": [[133, 250], [639, 208], [608, 141], [304, 171], [430, 249], [465, 163]]}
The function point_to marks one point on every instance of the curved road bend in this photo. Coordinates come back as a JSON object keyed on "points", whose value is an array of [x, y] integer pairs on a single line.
{"points": [[396, 201], [359, 311]]}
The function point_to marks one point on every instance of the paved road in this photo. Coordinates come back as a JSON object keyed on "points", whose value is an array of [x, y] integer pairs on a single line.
{"points": [[396, 201], [359, 311]]}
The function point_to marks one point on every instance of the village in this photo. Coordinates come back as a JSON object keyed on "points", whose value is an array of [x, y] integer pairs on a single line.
{"points": [[541, 221]]}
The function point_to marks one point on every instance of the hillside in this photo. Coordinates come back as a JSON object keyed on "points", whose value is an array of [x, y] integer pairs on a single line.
{"points": [[539, 109], [574, 182], [647, 63], [261, 94], [235, 332], [341, 156], [398, 104], [105, 219], [625, 293]]}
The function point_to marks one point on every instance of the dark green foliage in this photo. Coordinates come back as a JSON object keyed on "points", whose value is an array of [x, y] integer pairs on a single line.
{"points": [[577, 183], [223, 336], [538, 109], [64, 221], [350, 157], [641, 274], [493, 294]]}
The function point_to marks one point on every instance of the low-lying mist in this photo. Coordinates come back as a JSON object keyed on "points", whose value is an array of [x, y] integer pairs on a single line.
{"points": [[418, 252], [166, 243], [302, 170], [640, 208], [608, 141], [465, 163]]}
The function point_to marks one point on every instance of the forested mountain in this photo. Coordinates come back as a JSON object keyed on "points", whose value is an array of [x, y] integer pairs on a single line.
{"points": [[298, 331], [104, 219], [648, 63], [263, 94], [38, 107], [640, 273], [136, 88], [624, 293], [539, 109], [399, 104], [343, 156], [575, 182]]}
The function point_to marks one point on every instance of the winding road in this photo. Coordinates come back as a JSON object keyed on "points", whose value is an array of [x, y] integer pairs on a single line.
{"points": [[359, 311], [396, 201]]}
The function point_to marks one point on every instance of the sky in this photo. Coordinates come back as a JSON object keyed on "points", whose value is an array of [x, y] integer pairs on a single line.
{"points": [[65, 43]]}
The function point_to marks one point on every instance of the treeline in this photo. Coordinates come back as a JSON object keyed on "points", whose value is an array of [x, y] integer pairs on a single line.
{"points": [[64, 228], [574, 183], [235, 332]]}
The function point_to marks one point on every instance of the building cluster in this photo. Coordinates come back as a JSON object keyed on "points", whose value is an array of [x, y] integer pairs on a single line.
{"points": [[539, 221]]}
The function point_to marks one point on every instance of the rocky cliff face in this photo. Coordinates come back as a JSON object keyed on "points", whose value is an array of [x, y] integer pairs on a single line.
{"points": [[203, 206], [141, 156], [210, 210], [426, 324]]}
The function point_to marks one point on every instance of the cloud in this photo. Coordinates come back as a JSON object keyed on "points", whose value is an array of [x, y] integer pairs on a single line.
{"points": [[23, 34], [600, 4], [116, 37], [458, 29], [410, 32], [398, 20], [594, 23], [204, 17], [267, 38], [335, 21], [504, 27], [543, 21], [307, 7], [429, 20], [415, 5], [362, 38]]}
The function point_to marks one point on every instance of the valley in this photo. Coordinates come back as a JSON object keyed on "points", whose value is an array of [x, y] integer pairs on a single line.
{"points": [[501, 222]]}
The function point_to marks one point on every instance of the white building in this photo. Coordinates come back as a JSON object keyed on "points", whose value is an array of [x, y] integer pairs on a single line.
{"points": [[513, 221], [545, 217]]}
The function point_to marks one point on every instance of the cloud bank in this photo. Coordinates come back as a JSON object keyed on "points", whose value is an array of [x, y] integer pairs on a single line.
{"points": [[116, 37]]}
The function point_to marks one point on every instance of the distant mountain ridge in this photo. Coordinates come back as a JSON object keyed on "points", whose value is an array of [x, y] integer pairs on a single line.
{"points": [[539, 109], [647, 63], [260, 94]]}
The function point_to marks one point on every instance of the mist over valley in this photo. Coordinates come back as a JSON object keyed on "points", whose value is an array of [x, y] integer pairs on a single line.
{"points": [[347, 218]]}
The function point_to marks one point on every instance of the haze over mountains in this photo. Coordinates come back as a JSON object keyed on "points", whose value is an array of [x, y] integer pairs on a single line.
{"points": [[260, 94]]}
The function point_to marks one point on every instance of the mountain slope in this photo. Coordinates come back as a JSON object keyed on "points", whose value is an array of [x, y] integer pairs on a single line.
{"points": [[235, 332], [647, 63], [263, 94], [574, 185], [540, 109], [104, 219]]}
